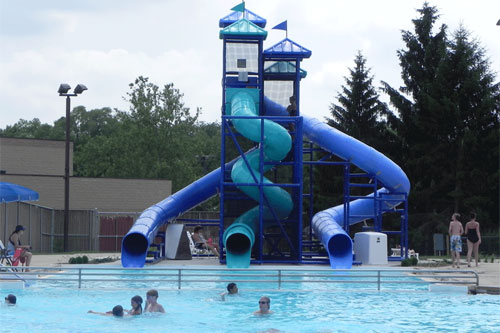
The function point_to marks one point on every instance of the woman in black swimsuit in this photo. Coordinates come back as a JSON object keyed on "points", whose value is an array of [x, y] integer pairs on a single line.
{"points": [[473, 238]]}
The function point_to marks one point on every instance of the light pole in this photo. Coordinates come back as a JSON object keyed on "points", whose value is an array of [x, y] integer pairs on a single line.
{"points": [[63, 91]]}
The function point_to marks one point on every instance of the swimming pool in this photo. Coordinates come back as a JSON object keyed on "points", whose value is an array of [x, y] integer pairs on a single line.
{"points": [[45, 307]]}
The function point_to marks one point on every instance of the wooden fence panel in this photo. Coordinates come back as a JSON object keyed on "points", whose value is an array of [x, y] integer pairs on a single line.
{"points": [[111, 232]]}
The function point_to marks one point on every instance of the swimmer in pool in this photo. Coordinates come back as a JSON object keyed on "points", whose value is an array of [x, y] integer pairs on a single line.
{"points": [[116, 312], [264, 306], [232, 289]]}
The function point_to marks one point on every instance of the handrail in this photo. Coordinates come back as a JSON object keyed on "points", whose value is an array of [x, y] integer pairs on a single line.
{"points": [[277, 276]]}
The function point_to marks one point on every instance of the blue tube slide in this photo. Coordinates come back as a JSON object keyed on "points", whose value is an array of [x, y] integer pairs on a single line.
{"points": [[141, 235], [240, 236], [327, 224]]}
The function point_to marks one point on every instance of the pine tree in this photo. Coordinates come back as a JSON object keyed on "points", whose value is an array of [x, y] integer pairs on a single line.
{"points": [[447, 121], [415, 124], [359, 112], [473, 99], [420, 64]]}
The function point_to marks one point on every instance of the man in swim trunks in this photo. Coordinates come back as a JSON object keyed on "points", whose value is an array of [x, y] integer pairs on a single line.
{"points": [[456, 231]]}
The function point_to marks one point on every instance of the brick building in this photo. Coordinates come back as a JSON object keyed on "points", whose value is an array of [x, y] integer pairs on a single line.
{"points": [[39, 165]]}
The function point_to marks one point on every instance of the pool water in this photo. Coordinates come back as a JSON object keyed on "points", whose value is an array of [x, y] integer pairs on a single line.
{"points": [[46, 309]]}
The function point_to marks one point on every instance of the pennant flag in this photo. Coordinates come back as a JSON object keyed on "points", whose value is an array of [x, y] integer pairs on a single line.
{"points": [[282, 26], [239, 8]]}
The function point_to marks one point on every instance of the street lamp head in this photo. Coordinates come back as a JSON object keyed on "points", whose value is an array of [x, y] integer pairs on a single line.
{"points": [[498, 23], [63, 88], [80, 88]]}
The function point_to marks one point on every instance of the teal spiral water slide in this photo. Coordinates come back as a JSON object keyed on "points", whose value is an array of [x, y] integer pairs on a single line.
{"points": [[239, 237]]}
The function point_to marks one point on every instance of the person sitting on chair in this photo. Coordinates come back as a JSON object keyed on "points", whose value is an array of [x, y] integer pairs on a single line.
{"points": [[14, 246], [201, 243]]}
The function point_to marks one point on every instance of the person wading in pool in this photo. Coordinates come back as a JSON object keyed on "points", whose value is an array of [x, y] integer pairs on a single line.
{"points": [[11, 299], [473, 238], [264, 306], [456, 231], [232, 289], [136, 303], [151, 302]]}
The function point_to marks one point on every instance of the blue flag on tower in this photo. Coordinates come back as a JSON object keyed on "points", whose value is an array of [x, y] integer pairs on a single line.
{"points": [[239, 8], [282, 26]]}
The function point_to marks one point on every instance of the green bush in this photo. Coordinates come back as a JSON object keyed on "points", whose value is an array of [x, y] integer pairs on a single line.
{"points": [[405, 262], [409, 262], [103, 260], [86, 260], [79, 260]]}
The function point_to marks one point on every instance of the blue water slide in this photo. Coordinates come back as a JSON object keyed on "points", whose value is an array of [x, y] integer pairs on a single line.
{"points": [[239, 237], [327, 224], [141, 235]]}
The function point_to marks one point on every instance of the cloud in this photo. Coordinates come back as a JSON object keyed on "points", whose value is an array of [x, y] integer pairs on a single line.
{"points": [[107, 44], [329, 72], [33, 77]]}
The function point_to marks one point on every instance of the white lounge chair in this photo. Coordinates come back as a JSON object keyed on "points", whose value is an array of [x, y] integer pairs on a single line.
{"points": [[396, 252], [5, 258], [197, 251]]}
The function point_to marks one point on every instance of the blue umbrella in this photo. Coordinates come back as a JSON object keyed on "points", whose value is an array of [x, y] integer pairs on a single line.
{"points": [[12, 192]]}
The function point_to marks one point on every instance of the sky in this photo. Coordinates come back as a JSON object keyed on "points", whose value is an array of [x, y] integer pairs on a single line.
{"points": [[107, 44]]}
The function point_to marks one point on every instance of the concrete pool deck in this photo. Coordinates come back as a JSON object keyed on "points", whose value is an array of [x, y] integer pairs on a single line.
{"points": [[489, 273]]}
